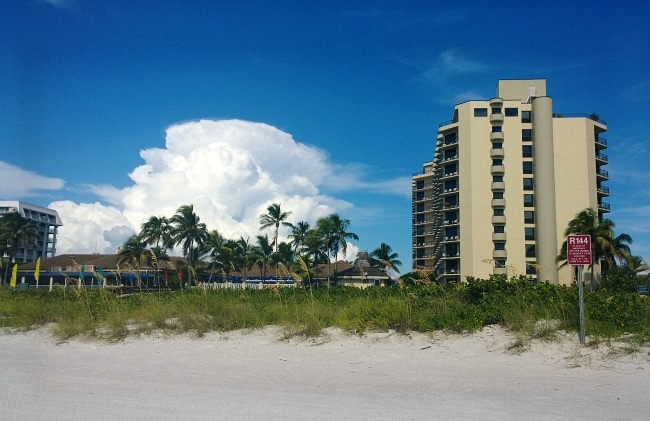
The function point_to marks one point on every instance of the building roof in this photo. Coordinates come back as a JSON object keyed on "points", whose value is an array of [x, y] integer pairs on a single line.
{"points": [[26, 210]]}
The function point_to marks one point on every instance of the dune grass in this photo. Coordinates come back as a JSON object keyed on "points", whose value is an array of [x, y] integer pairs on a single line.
{"points": [[530, 310]]}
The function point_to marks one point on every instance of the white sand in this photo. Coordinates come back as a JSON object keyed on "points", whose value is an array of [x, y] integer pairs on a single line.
{"points": [[256, 375]]}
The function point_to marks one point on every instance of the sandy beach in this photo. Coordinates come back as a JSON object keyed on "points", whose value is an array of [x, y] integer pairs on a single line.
{"points": [[260, 375]]}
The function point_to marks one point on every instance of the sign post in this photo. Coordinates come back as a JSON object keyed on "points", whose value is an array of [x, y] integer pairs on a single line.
{"points": [[579, 254]]}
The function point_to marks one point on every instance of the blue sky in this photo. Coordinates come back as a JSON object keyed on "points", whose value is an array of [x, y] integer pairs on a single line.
{"points": [[106, 108]]}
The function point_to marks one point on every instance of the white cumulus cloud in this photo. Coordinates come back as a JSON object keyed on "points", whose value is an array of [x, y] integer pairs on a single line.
{"points": [[230, 170]]}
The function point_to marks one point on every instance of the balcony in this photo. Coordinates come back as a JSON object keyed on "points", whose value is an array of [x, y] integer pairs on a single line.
{"points": [[604, 207], [601, 158], [499, 220], [496, 136], [602, 175], [450, 174], [498, 203], [500, 271], [450, 158], [498, 185], [600, 143], [497, 169], [498, 236], [450, 205], [496, 118], [496, 153], [496, 102], [499, 254], [603, 191], [450, 222]]}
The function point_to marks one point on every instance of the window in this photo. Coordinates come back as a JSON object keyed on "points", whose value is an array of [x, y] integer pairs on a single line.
{"points": [[529, 217], [530, 250], [497, 129], [450, 169], [528, 183], [419, 184], [512, 112], [497, 178], [480, 112], [497, 195], [500, 263], [496, 110], [527, 167], [526, 117], [451, 185], [527, 151], [499, 229], [451, 216], [529, 234], [419, 196], [497, 161], [530, 268], [498, 212], [419, 207], [499, 246], [526, 135], [450, 138], [528, 201], [451, 154], [420, 219], [451, 232], [497, 145]]}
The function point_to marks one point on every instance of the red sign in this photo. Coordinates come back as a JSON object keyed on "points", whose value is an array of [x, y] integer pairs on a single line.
{"points": [[578, 249]]}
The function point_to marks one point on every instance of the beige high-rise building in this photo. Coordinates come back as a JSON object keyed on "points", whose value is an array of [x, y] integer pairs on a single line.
{"points": [[507, 176]]}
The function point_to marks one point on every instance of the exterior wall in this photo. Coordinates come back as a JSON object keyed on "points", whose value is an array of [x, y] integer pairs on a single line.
{"points": [[47, 222], [522, 174]]}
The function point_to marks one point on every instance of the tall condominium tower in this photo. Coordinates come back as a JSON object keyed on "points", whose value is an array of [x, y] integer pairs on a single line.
{"points": [[46, 222], [507, 176]]}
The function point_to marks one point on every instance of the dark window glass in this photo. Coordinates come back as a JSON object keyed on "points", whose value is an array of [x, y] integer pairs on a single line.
{"points": [[512, 112], [526, 117], [528, 201], [499, 229], [528, 183], [419, 184], [528, 167], [497, 178], [500, 263], [497, 195], [450, 169], [499, 246], [526, 135], [496, 110], [530, 250], [497, 145], [527, 151], [420, 207], [530, 268], [497, 161], [450, 138], [498, 212], [529, 217], [480, 112], [529, 234], [497, 129]]}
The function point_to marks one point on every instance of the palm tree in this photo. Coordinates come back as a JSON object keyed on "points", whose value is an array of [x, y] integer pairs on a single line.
{"points": [[285, 256], [263, 253], [340, 235], [274, 218], [324, 233], [383, 257], [156, 231], [606, 249], [16, 231], [298, 235], [132, 253], [244, 256], [188, 231]]}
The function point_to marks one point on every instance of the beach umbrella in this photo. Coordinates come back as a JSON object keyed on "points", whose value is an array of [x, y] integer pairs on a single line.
{"points": [[37, 271], [14, 275]]}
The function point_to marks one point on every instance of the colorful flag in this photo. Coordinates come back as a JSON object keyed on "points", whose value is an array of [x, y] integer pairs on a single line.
{"points": [[81, 271], [37, 271], [100, 275], [14, 276]]}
